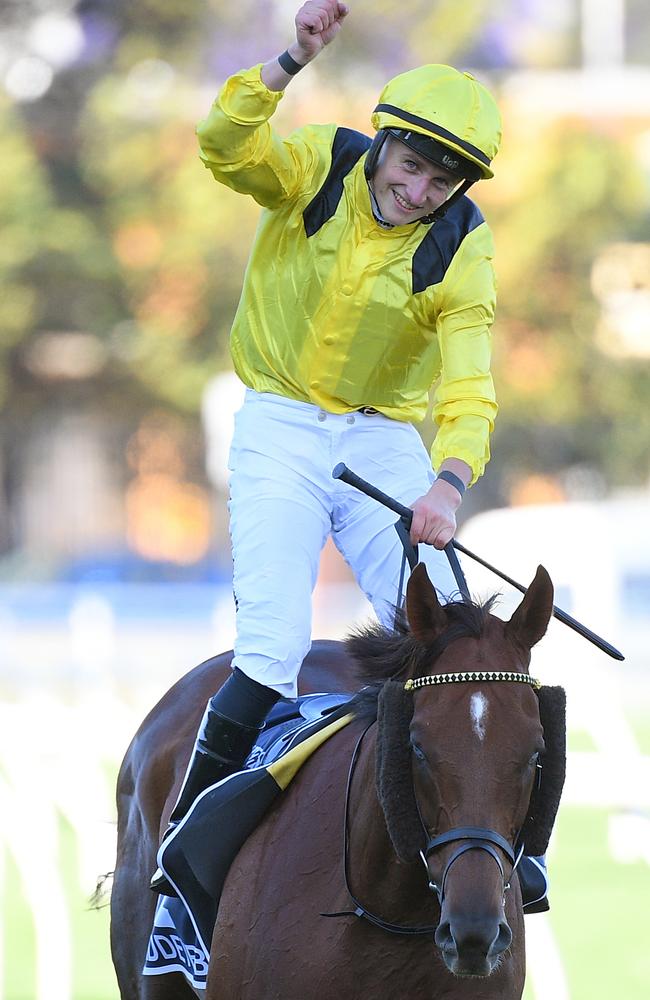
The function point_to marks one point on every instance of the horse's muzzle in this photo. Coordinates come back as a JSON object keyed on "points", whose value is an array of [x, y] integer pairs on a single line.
{"points": [[472, 946], [471, 941]]}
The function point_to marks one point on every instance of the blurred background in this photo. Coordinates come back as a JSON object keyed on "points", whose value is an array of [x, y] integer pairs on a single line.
{"points": [[121, 263]]}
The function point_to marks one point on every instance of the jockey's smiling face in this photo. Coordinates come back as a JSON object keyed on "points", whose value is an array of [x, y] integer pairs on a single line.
{"points": [[407, 186]]}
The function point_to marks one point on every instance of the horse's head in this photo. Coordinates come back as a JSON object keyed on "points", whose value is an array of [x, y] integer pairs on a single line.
{"points": [[460, 749]]}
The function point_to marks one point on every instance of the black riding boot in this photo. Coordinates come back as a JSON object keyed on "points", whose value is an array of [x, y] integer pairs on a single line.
{"points": [[533, 879], [232, 721]]}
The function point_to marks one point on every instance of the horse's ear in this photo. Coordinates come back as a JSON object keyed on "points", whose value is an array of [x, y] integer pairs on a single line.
{"points": [[530, 621], [545, 799], [425, 614]]}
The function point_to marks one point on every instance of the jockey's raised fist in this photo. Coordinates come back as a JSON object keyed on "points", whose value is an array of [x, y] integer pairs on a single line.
{"points": [[317, 24]]}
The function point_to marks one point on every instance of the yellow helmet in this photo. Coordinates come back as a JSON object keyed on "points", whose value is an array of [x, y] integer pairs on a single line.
{"points": [[449, 107]]}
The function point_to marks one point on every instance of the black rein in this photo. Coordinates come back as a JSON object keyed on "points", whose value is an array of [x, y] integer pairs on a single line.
{"points": [[360, 910]]}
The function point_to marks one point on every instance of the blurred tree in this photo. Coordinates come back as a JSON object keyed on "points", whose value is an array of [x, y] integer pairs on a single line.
{"points": [[563, 401], [111, 232]]}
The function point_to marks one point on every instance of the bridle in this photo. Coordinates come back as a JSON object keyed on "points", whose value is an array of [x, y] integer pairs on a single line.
{"points": [[471, 837]]}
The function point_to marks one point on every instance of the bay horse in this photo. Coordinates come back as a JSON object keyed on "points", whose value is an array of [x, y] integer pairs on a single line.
{"points": [[386, 867]]}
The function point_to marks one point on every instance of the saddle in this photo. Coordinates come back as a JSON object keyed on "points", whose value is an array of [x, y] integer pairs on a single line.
{"points": [[197, 855]]}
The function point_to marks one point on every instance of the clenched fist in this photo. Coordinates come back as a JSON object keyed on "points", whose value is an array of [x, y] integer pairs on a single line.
{"points": [[317, 23]]}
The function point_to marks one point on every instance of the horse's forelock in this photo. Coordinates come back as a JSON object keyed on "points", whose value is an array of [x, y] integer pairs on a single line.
{"points": [[382, 655]]}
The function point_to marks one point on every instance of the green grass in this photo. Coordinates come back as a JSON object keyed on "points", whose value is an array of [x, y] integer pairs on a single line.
{"points": [[599, 912], [18, 945], [580, 741], [640, 722], [93, 976]]}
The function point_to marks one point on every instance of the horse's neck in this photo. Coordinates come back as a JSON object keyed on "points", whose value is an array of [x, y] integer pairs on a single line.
{"points": [[397, 892]]}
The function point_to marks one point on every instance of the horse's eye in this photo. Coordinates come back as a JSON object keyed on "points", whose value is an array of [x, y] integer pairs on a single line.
{"points": [[418, 751]]}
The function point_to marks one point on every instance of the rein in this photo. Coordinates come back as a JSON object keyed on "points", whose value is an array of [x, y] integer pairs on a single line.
{"points": [[360, 910], [410, 555]]}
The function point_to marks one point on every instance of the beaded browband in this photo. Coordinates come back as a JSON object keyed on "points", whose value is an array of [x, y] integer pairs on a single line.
{"points": [[472, 675]]}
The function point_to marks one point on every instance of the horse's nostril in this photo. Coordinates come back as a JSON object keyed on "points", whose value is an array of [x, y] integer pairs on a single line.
{"points": [[503, 939], [443, 936], [472, 945]]}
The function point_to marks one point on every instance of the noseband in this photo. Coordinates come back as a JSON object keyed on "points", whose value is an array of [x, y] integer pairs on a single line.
{"points": [[474, 837]]}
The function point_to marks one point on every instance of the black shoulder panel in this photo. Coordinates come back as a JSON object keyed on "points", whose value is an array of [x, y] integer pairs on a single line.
{"points": [[347, 148], [436, 251]]}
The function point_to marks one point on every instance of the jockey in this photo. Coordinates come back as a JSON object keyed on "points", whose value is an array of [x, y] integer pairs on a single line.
{"points": [[369, 281]]}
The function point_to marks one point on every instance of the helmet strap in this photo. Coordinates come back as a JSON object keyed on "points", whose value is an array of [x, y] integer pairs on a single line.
{"points": [[444, 208]]}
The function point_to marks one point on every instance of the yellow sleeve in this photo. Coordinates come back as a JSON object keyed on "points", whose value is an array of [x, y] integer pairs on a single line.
{"points": [[242, 151], [465, 404]]}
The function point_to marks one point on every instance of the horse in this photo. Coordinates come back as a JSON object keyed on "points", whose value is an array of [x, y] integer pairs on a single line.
{"points": [[387, 867]]}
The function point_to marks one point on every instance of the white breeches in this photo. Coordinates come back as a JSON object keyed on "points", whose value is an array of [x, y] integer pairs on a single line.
{"points": [[284, 504]]}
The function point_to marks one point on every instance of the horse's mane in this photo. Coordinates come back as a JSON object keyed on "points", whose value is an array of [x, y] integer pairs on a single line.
{"points": [[382, 655]]}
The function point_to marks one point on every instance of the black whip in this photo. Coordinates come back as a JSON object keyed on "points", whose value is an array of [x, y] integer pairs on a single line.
{"points": [[346, 475]]}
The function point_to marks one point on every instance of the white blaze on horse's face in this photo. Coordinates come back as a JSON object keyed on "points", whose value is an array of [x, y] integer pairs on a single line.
{"points": [[478, 710]]}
